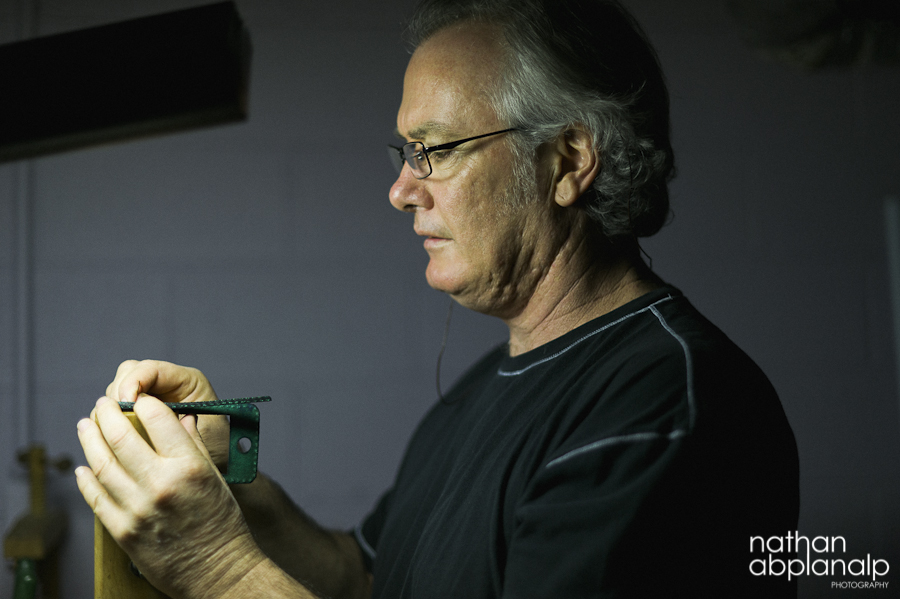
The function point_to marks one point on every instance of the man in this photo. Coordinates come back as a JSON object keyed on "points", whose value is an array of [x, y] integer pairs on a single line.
{"points": [[618, 446]]}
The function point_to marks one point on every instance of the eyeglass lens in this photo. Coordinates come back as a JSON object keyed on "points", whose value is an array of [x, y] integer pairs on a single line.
{"points": [[396, 156], [417, 159], [414, 155]]}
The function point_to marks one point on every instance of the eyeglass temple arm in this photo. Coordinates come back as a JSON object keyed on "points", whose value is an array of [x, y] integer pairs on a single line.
{"points": [[452, 144]]}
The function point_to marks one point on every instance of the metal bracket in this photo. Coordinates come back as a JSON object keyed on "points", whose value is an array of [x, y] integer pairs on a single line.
{"points": [[243, 456]]}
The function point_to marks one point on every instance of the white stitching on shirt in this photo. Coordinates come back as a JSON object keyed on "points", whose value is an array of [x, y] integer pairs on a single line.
{"points": [[364, 545], [647, 436], [635, 437], [689, 368], [588, 336]]}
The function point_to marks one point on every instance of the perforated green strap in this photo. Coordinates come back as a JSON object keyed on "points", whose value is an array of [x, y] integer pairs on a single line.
{"points": [[244, 418]]}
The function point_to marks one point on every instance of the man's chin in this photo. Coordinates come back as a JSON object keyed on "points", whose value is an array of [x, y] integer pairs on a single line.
{"points": [[440, 279]]}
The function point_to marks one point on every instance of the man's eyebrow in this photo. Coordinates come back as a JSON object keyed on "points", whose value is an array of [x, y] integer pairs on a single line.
{"points": [[424, 130]]}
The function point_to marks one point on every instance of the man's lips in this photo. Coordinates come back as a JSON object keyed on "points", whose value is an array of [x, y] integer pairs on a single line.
{"points": [[430, 235], [433, 243], [433, 239]]}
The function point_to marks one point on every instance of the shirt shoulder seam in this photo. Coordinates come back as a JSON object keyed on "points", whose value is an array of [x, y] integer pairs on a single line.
{"points": [[647, 435], [510, 373], [688, 368]]}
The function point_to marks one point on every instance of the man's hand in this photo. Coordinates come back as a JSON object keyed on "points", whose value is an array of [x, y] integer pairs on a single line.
{"points": [[168, 508], [172, 383], [163, 380]]}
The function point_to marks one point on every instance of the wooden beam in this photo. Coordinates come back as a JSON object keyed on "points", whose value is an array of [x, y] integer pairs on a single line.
{"points": [[152, 75]]}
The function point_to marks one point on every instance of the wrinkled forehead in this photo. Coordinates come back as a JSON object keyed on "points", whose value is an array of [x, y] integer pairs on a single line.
{"points": [[449, 80]]}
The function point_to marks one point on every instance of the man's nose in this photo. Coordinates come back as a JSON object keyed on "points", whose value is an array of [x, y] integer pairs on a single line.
{"points": [[408, 193]]}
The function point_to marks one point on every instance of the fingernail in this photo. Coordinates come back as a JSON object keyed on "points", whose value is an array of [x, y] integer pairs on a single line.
{"points": [[102, 401], [83, 424]]}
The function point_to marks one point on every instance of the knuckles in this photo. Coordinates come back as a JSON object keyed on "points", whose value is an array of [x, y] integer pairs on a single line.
{"points": [[167, 490], [117, 439], [193, 475], [184, 480], [102, 467], [150, 412], [127, 534]]}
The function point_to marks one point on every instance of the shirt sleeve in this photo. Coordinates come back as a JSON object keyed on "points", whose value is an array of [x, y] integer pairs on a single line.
{"points": [[661, 509], [591, 520]]}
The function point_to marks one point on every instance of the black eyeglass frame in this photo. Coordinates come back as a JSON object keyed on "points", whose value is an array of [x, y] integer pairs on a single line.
{"points": [[425, 151]]}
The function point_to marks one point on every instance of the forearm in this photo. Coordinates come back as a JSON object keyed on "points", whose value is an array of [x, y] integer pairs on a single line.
{"points": [[250, 575], [267, 581], [328, 562]]}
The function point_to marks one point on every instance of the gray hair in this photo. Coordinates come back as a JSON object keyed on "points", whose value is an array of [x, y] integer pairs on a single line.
{"points": [[579, 62]]}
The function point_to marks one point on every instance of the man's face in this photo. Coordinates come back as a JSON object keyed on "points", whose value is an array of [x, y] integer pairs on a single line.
{"points": [[483, 241]]}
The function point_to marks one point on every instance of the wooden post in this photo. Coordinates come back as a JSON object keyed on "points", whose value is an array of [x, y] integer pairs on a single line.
{"points": [[34, 539], [114, 576], [35, 458]]}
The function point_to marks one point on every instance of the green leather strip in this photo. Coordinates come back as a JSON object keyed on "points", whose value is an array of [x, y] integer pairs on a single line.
{"points": [[244, 418]]}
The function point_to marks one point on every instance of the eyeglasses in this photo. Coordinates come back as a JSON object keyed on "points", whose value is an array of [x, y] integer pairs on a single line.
{"points": [[415, 154]]}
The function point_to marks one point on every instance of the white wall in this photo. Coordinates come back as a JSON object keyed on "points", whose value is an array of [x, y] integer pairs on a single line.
{"points": [[267, 255]]}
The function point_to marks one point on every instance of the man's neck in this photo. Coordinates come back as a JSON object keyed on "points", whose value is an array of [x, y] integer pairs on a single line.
{"points": [[575, 292]]}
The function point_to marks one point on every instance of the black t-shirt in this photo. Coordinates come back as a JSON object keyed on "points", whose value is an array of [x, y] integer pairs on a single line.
{"points": [[634, 456]]}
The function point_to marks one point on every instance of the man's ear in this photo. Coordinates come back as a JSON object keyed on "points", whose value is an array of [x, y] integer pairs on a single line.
{"points": [[578, 165]]}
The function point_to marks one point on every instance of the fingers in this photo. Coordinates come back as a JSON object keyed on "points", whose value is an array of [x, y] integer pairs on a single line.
{"points": [[121, 460], [215, 432], [176, 383], [97, 498], [132, 377], [189, 423], [144, 383], [164, 380], [105, 466], [93, 492], [169, 437], [147, 496]]}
